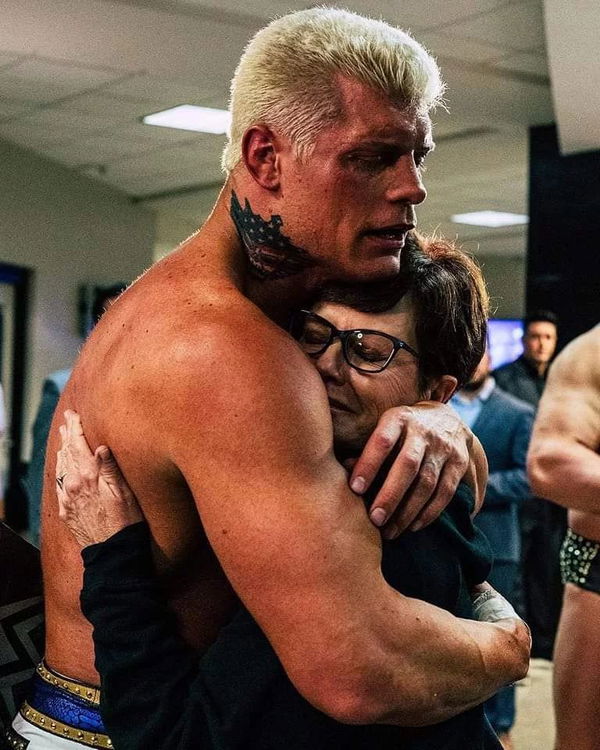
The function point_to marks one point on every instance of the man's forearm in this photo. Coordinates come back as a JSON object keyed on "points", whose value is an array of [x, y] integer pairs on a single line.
{"points": [[565, 472], [433, 668], [471, 662]]}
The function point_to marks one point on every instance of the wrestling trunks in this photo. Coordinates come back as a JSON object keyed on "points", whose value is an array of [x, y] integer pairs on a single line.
{"points": [[58, 713], [580, 562]]}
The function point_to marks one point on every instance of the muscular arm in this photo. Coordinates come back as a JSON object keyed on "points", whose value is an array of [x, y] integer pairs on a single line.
{"points": [[563, 461], [298, 548]]}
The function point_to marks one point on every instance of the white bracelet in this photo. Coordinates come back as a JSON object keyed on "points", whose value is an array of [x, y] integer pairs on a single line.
{"points": [[490, 606]]}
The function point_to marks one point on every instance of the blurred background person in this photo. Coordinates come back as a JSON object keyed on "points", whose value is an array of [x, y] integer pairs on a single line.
{"points": [[525, 378], [543, 525], [503, 425], [52, 388], [564, 466]]}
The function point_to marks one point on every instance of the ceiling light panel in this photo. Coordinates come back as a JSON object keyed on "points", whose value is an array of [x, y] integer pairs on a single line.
{"points": [[191, 117], [490, 219]]}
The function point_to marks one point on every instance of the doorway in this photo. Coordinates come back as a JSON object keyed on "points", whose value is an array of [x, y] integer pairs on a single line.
{"points": [[14, 289]]}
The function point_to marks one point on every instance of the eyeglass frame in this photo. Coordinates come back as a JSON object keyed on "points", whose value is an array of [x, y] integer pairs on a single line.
{"points": [[343, 336]]}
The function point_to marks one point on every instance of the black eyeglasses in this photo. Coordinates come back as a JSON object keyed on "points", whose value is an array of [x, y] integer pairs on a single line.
{"points": [[364, 349]]}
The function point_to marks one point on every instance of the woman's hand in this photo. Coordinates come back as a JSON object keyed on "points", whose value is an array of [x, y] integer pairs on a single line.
{"points": [[94, 499]]}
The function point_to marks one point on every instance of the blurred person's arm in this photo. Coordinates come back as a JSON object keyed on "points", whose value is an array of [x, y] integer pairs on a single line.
{"points": [[563, 461]]}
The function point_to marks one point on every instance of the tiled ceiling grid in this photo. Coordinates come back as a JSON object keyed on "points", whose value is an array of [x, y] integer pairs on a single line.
{"points": [[77, 75]]}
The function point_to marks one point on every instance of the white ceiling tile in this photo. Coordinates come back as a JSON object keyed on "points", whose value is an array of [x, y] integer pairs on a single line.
{"points": [[9, 58], [45, 80], [416, 14], [259, 9], [122, 108], [443, 46], [537, 64], [38, 139], [11, 108], [164, 92], [94, 151], [78, 122], [158, 135], [163, 161], [519, 27]]}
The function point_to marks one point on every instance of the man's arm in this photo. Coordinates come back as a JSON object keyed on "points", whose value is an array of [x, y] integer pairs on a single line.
{"points": [[563, 461], [252, 437], [508, 486]]}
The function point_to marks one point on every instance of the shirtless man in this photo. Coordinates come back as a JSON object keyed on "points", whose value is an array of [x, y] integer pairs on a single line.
{"points": [[564, 466], [222, 427]]}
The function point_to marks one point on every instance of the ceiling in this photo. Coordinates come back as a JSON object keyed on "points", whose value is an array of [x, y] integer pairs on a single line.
{"points": [[77, 75]]}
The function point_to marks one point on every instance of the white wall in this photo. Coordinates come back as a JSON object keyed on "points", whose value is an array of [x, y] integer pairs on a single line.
{"points": [[69, 230]]}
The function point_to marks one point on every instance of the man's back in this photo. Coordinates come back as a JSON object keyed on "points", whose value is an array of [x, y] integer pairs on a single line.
{"points": [[122, 385]]}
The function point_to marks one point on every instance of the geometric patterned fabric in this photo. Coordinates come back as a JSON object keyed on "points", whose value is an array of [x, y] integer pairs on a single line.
{"points": [[21, 620]]}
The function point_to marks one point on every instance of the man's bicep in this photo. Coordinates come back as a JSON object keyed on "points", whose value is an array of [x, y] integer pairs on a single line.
{"points": [[293, 540]]}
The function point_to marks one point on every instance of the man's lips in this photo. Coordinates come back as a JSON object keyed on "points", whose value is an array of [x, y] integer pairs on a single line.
{"points": [[393, 235]]}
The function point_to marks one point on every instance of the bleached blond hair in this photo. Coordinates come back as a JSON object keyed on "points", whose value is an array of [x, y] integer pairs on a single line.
{"points": [[286, 78]]}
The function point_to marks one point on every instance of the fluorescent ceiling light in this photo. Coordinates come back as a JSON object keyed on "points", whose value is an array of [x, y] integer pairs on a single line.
{"points": [[191, 117], [490, 219]]}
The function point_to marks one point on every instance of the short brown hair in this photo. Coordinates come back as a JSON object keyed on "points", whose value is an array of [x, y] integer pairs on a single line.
{"points": [[449, 299]]}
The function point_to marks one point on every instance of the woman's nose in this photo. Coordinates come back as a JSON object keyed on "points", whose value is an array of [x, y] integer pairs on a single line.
{"points": [[330, 363]]}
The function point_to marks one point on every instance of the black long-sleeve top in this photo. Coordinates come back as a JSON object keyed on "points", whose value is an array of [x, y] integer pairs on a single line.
{"points": [[157, 693]]}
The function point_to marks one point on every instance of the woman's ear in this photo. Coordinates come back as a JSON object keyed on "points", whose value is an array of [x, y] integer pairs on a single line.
{"points": [[443, 388], [260, 153]]}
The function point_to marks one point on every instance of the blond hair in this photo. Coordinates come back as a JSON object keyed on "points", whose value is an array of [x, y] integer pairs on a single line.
{"points": [[286, 76]]}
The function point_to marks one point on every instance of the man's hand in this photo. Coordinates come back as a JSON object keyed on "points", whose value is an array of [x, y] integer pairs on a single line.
{"points": [[430, 448], [94, 499]]}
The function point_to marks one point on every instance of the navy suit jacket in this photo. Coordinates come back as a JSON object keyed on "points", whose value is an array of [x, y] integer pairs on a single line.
{"points": [[504, 429]]}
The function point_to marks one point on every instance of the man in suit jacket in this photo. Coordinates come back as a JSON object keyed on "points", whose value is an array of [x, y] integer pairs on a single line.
{"points": [[503, 425]]}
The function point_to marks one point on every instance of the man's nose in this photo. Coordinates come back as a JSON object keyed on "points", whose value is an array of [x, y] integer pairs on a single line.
{"points": [[406, 185], [331, 363]]}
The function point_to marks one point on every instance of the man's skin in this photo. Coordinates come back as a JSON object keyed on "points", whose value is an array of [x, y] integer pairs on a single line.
{"points": [[539, 343], [222, 429], [564, 466]]}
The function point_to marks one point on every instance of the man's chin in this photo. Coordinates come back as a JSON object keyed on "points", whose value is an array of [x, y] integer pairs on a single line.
{"points": [[366, 271]]}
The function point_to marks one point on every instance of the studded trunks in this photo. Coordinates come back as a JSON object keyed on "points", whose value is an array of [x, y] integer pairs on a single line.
{"points": [[580, 562], [58, 713]]}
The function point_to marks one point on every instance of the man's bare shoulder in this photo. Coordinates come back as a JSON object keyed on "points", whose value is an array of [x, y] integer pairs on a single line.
{"points": [[578, 365], [570, 405], [197, 354]]}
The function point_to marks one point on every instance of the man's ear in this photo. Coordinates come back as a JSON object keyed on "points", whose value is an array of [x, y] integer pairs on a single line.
{"points": [[260, 152], [443, 388]]}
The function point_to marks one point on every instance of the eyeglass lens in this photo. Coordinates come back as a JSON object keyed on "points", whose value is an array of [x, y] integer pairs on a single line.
{"points": [[367, 351]]}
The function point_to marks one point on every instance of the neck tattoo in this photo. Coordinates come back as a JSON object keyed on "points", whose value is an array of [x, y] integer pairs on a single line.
{"points": [[271, 254]]}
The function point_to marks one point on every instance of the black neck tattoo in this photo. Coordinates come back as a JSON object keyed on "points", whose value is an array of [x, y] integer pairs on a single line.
{"points": [[271, 254]]}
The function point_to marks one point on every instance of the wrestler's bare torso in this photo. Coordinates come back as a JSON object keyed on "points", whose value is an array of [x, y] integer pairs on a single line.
{"points": [[567, 431], [125, 376], [588, 411]]}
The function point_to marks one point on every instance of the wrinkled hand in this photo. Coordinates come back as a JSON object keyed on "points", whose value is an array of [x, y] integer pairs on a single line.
{"points": [[429, 446], [94, 499]]}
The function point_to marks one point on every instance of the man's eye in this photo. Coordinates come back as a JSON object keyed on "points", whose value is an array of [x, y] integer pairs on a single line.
{"points": [[373, 161]]}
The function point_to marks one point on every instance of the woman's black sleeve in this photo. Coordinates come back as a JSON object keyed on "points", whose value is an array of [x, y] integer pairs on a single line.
{"points": [[155, 691]]}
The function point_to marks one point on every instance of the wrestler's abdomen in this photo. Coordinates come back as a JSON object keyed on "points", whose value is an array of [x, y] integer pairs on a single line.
{"points": [[585, 524]]}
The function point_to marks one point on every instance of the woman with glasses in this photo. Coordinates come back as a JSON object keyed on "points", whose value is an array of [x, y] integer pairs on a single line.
{"points": [[373, 350]]}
